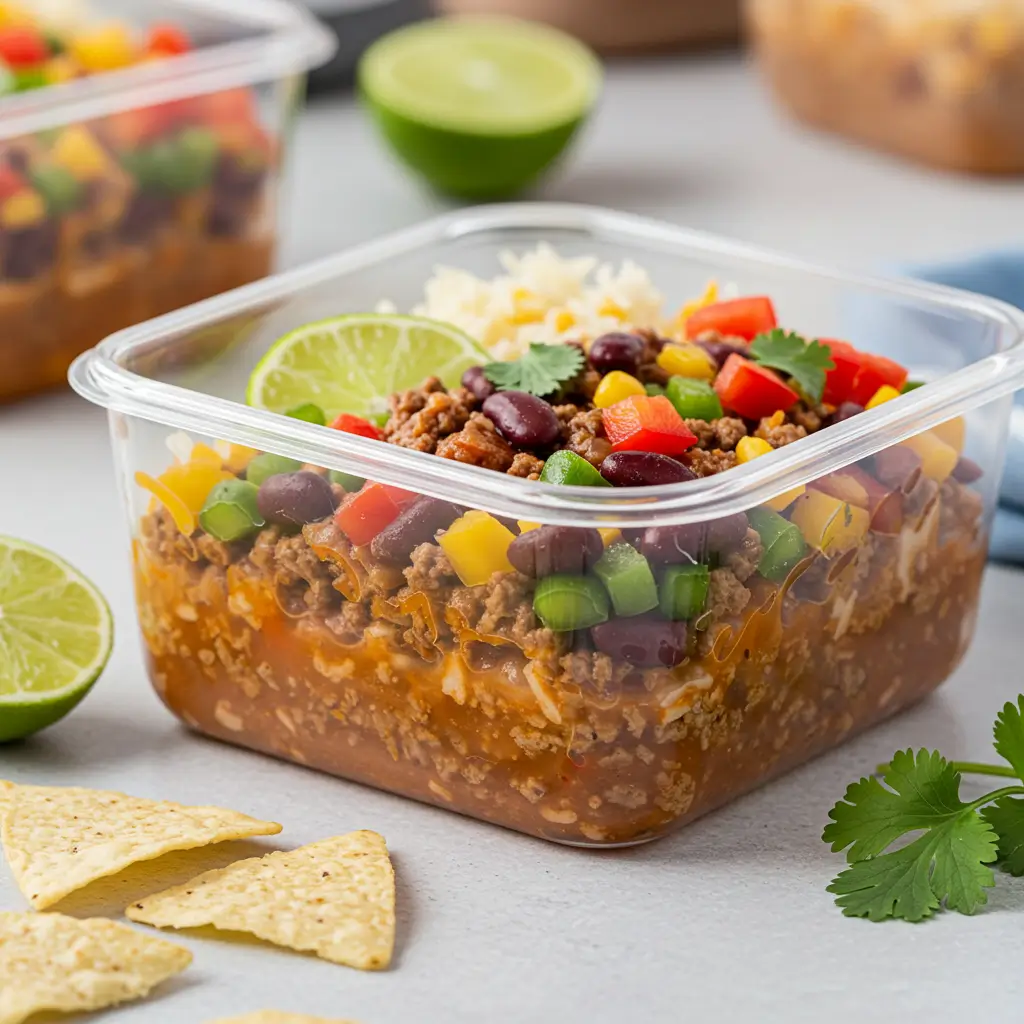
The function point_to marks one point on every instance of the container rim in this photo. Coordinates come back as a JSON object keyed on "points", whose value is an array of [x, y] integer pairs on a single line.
{"points": [[289, 40], [101, 376]]}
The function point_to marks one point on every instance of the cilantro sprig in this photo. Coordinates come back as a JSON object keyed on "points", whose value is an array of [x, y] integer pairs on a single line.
{"points": [[542, 370], [948, 863], [805, 361]]}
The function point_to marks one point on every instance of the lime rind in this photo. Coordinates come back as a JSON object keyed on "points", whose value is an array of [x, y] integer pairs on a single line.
{"points": [[56, 630], [350, 363]]}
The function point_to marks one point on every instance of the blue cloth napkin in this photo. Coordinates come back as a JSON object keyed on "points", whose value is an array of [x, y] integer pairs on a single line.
{"points": [[1001, 275]]}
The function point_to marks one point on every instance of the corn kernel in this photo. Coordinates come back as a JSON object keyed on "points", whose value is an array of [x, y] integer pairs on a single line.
{"points": [[60, 69], [76, 150], [564, 320], [953, 432], [709, 297], [525, 526], [24, 209], [685, 360], [611, 308], [784, 500], [751, 448], [884, 394], [616, 386], [609, 535], [938, 459], [477, 547], [104, 48], [829, 524]]}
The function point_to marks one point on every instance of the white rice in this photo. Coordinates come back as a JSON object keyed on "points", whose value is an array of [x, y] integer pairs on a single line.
{"points": [[544, 297]]}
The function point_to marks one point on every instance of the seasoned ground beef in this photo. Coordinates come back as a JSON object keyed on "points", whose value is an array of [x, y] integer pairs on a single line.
{"points": [[708, 463], [584, 435], [724, 433], [649, 372], [421, 416], [479, 444], [743, 562], [777, 432], [303, 582], [727, 596], [811, 418], [526, 466], [429, 569]]}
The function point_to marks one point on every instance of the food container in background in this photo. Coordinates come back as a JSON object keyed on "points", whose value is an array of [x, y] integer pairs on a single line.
{"points": [[941, 81], [130, 192], [804, 595], [621, 25]]}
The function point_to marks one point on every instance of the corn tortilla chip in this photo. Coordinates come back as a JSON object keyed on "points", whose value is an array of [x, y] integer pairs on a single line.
{"points": [[335, 898], [279, 1017], [54, 962], [57, 840]]}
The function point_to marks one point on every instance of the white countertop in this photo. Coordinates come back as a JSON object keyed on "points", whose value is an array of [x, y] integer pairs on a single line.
{"points": [[726, 921]]}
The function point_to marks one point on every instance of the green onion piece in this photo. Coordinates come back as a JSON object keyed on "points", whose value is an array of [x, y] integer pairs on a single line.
{"points": [[230, 511], [564, 602], [309, 412], [567, 468], [627, 577], [693, 399], [269, 464], [684, 590], [347, 480], [784, 544]]}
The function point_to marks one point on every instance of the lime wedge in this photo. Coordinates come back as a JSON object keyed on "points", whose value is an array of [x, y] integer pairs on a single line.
{"points": [[55, 638], [479, 105], [353, 363]]}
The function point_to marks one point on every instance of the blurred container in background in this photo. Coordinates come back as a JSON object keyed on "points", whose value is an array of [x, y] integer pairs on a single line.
{"points": [[938, 80]]}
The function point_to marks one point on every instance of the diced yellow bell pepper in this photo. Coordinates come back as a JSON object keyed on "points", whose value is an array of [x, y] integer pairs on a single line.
{"points": [[183, 488], [616, 386], [884, 394], [828, 523], [609, 535], [938, 459], [238, 457], [204, 453], [611, 308], [24, 209], [477, 547], [686, 360], [784, 500], [525, 526], [104, 48], [953, 432], [750, 448], [61, 69], [77, 151]]}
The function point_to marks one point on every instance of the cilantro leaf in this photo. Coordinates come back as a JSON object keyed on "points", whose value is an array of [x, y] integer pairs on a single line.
{"points": [[540, 371], [1008, 733], [1006, 816], [805, 361], [946, 863], [924, 793]]}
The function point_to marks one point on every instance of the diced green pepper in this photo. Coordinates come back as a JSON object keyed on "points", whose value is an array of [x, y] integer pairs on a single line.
{"points": [[653, 390], [230, 511], [784, 544], [693, 399], [569, 469], [380, 419], [186, 163], [268, 464], [564, 602], [26, 79], [58, 186], [309, 413], [911, 385], [347, 480], [684, 590], [628, 579]]}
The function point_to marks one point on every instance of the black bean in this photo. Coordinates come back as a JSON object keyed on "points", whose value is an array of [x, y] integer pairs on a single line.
{"points": [[294, 499], [966, 471], [616, 351], [552, 549], [475, 381], [693, 542], [898, 467], [522, 418], [416, 524], [721, 350], [847, 410], [644, 469], [644, 641]]}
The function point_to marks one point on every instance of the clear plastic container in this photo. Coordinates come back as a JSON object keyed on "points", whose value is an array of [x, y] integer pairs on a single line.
{"points": [[168, 173], [938, 80], [848, 591]]}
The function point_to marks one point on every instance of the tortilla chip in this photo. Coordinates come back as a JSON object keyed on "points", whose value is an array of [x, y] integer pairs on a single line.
{"points": [[53, 962], [57, 840], [335, 898], [278, 1017]]}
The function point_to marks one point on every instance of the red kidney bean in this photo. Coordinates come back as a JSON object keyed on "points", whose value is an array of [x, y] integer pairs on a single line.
{"points": [[845, 411], [551, 549], [475, 380], [643, 469], [616, 351], [642, 640], [416, 524], [721, 350], [294, 499], [966, 471], [693, 542], [898, 467], [522, 418]]}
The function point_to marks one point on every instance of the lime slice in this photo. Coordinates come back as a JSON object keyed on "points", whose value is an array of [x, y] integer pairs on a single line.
{"points": [[353, 363], [55, 638], [479, 105]]}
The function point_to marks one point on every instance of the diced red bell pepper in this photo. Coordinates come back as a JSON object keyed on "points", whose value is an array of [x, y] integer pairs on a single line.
{"points": [[166, 40], [22, 46], [361, 516], [875, 371], [839, 381], [739, 318], [752, 390], [357, 425], [10, 181], [643, 423], [229, 106]]}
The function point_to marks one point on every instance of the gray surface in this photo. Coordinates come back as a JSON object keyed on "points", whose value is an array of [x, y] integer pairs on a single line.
{"points": [[726, 921]]}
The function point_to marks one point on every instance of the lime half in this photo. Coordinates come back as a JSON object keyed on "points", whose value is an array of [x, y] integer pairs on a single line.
{"points": [[353, 363], [479, 105], [55, 638]]}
